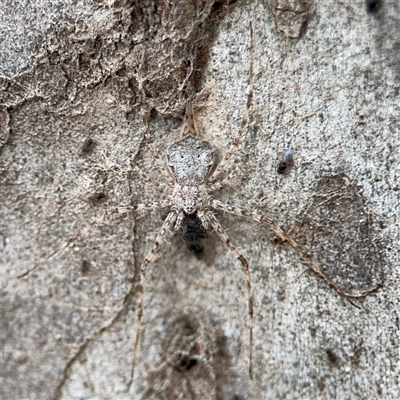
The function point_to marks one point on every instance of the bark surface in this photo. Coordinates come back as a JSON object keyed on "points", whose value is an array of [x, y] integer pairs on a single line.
{"points": [[326, 84]]}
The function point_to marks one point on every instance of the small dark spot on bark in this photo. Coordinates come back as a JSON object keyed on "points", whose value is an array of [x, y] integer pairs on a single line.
{"points": [[96, 197], [332, 357], [373, 6], [313, 332], [321, 385], [280, 295], [186, 364], [121, 72], [87, 146], [85, 266], [153, 113], [357, 354]]}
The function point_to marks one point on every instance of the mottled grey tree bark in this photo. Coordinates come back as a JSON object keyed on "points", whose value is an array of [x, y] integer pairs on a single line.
{"points": [[326, 83]]}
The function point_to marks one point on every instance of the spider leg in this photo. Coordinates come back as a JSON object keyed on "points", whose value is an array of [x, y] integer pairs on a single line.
{"points": [[203, 218], [225, 238], [239, 136], [168, 223], [281, 234], [148, 178], [189, 127], [148, 138], [220, 184], [179, 218], [108, 213]]}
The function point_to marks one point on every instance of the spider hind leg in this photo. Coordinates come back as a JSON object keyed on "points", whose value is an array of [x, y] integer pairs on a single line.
{"points": [[245, 266]]}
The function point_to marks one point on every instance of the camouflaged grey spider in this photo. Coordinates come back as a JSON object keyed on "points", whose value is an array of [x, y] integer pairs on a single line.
{"points": [[190, 180]]}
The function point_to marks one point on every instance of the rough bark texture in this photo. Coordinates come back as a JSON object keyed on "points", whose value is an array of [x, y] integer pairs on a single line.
{"points": [[326, 83]]}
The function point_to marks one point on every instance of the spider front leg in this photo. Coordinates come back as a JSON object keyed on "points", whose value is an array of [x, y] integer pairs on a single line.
{"points": [[281, 234], [228, 179], [168, 223], [225, 238], [119, 210], [149, 179], [245, 118], [142, 95]]}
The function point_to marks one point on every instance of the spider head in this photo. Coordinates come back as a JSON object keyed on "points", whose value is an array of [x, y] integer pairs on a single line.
{"points": [[190, 160]]}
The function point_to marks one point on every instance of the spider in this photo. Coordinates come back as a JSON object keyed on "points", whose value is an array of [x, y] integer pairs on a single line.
{"points": [[192, 176]]}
